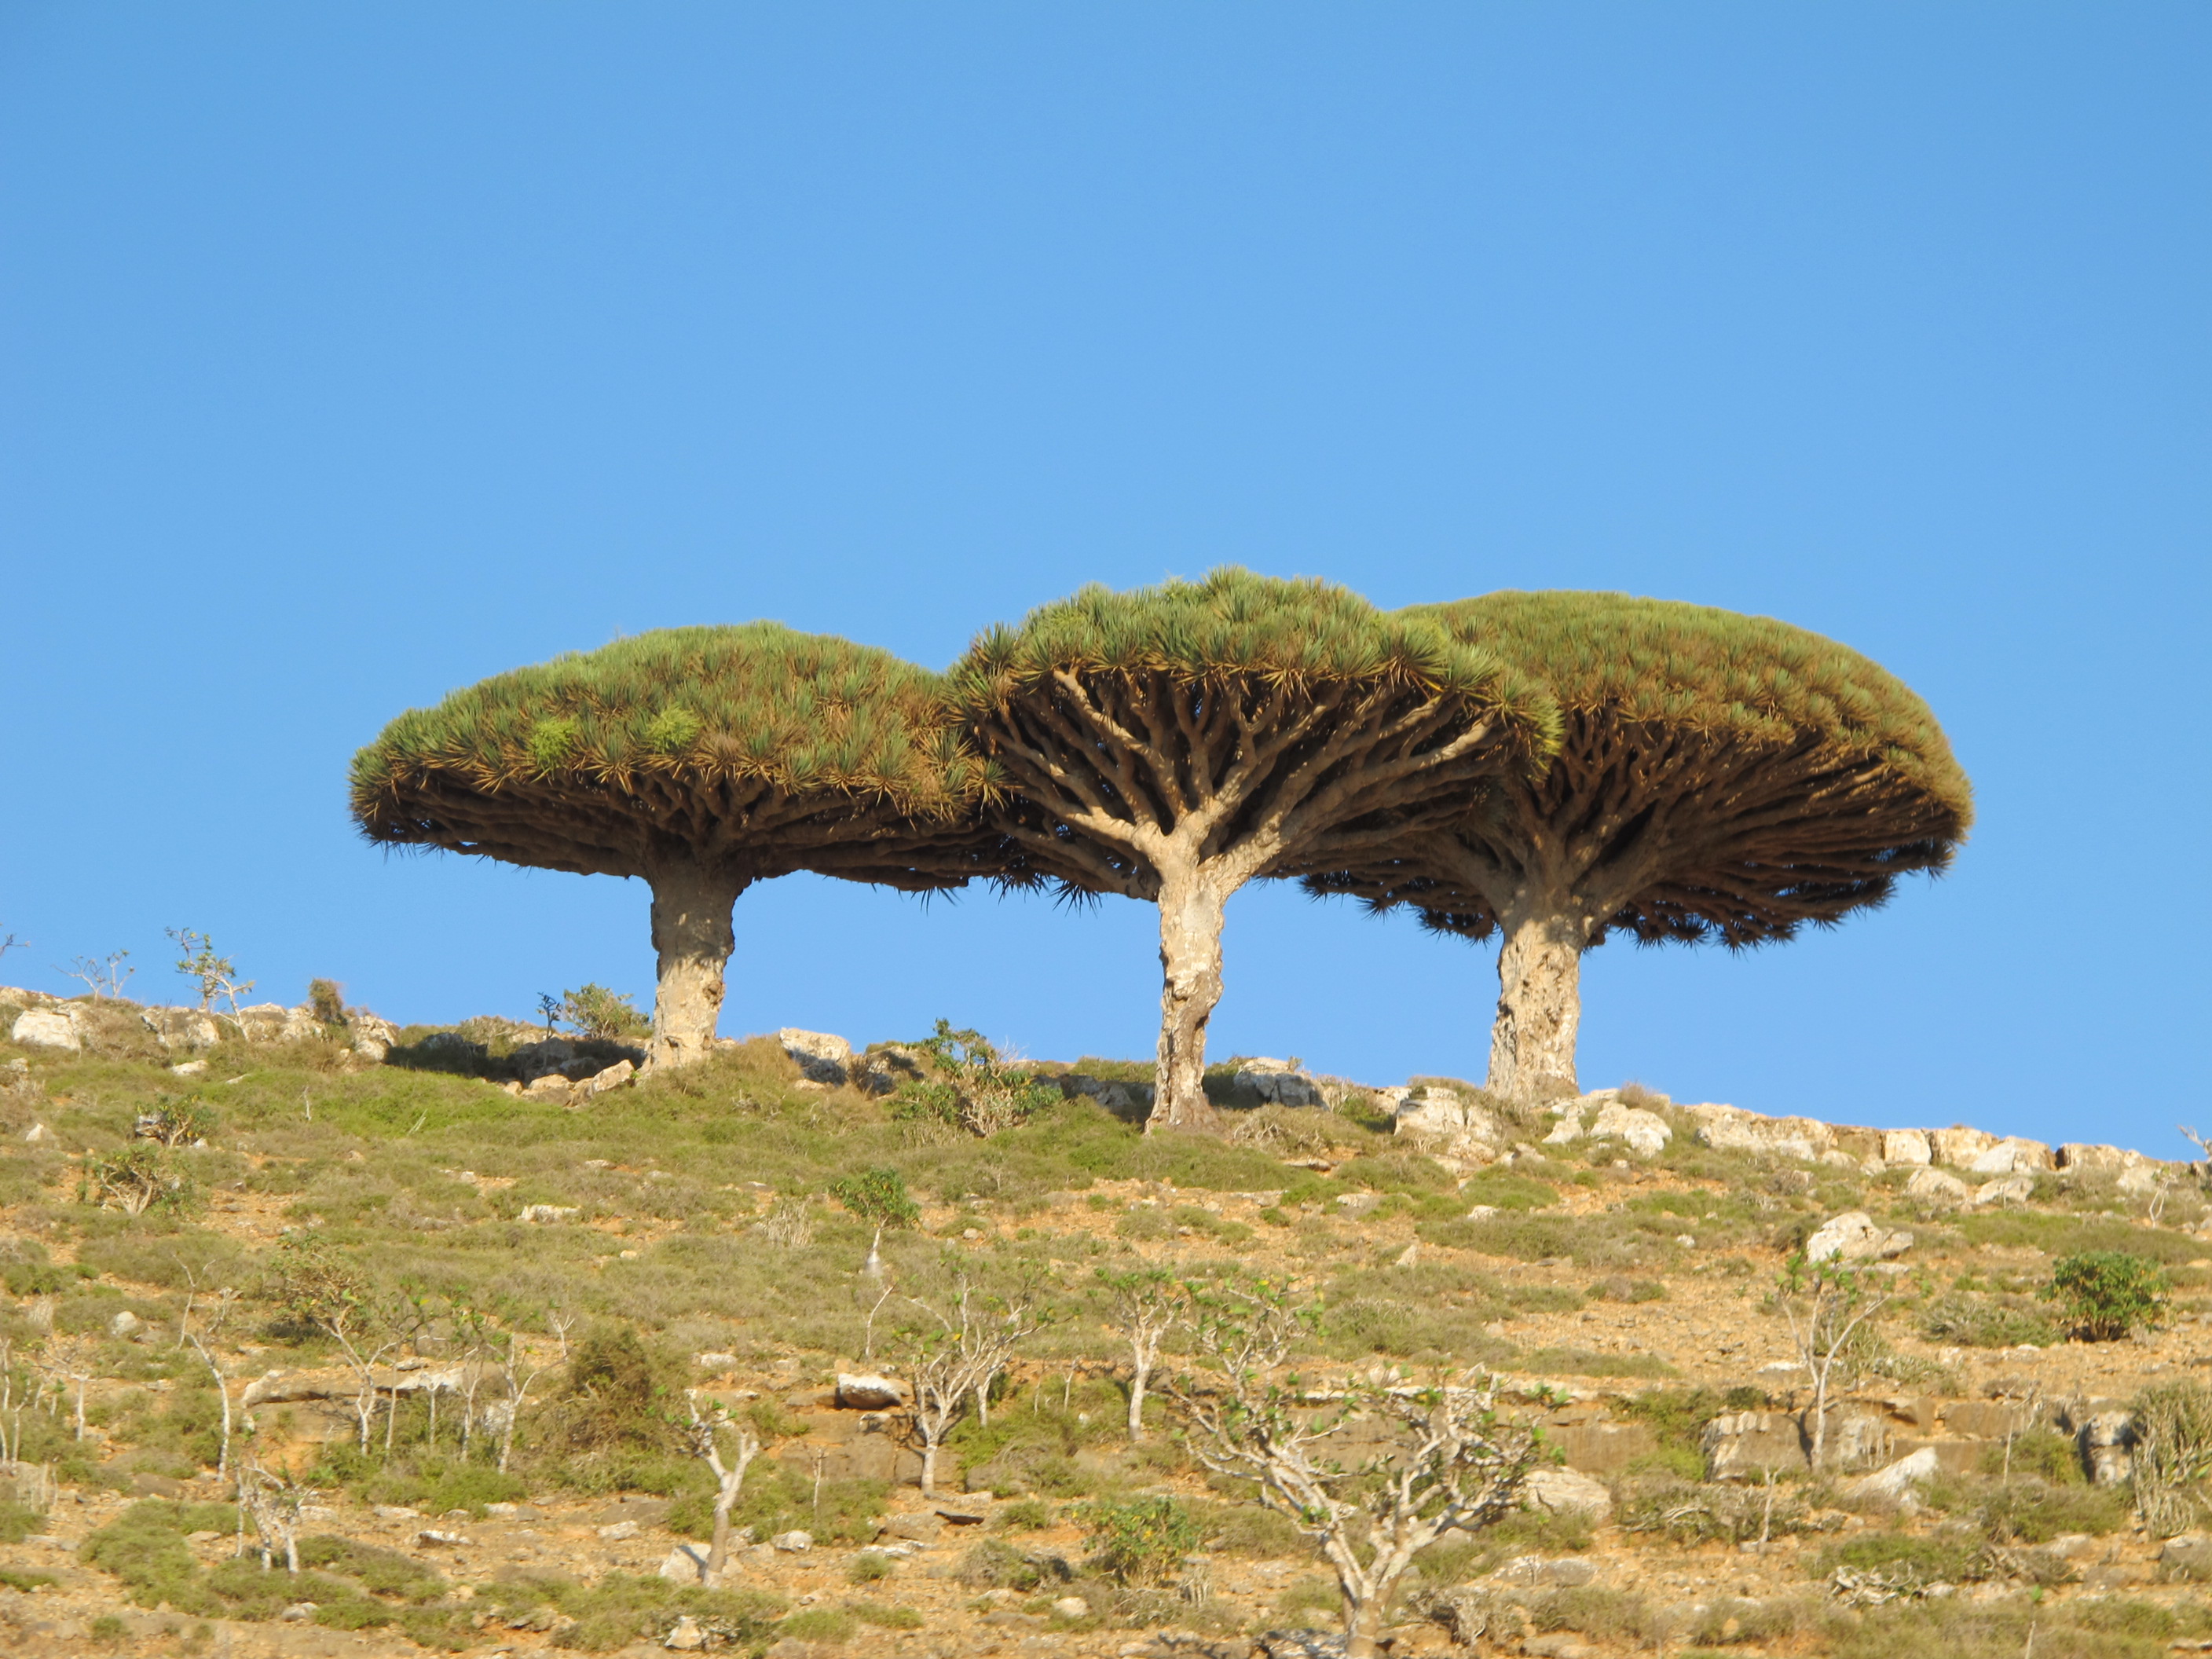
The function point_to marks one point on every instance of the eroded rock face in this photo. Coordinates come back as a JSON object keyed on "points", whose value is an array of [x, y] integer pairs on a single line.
{"points": [[869, 1393], [1567, 1492], [1645, 1133], [1900, 1482], [2006, 1189], [821, 1057], [1935, 1184], [1905, 1146], [1958, 1147], [372, 1037], [1854, 1236], [1732, 1128], [49, 1028], [2107, 1440], [1448, 1125], [1276, 1083], [2012, 1156], [189, 1028]]}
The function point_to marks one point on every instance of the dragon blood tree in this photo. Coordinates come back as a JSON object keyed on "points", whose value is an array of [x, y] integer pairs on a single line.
{"points": [[701, 759], [1174, 743], [1719, 777]]}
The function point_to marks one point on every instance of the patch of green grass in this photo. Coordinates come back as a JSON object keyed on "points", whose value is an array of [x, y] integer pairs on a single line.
{"points": [[621, 1608], [26, 1581], [884, 1618], [1585, 1362]]}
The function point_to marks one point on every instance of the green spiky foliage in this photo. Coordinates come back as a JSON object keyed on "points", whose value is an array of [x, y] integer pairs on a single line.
{"points": [[702, 759], [1162, 700], [754, 746], [1173, 742], [1718, 776]]}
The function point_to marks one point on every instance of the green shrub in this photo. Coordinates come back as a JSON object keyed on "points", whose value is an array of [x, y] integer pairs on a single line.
{"points": [[1141, 1540], [877, 1195], [2107, 1294]]}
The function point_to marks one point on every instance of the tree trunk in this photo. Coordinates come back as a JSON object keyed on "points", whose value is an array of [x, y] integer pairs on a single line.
{"points": [[929, 1468], [1532, 1044], [1364, 1627], [1190, 969], [1140, 1376], [691, 936]]}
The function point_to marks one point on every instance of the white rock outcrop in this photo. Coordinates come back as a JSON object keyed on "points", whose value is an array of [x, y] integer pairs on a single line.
{"points": [[1567, 1492], [1854, 1236], [821, 1057], [1936, 1184], [1899, 1483], [1446, 1124], [61, 1028], [1958, 1147], [2011, 1155], [1277, 1083], [2006, 1189], [1905, 1146], [1730, 1129], [373, 1038]]}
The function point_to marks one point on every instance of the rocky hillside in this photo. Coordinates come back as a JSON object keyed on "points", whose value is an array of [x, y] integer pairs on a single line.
{"points": [[460, 1289]]}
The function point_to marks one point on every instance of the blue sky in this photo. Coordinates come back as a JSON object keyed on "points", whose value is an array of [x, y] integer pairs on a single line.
{"points": [[348, 354]]}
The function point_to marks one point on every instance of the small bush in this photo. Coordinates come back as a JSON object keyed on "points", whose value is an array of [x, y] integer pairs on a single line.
{"points": [[877, 1195], [1141, 1540], [2108, 1294]]}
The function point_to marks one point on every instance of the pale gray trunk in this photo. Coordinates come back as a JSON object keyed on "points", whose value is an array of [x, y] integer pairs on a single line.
{"points": [[929, 1468], [691, 936], [1532, 1044], [1190, 968], [1143, 1375]]}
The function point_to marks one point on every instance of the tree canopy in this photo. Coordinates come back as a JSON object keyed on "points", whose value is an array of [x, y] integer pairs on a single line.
{"points": [[1717, 776], [751, 745], [1173, 742]]}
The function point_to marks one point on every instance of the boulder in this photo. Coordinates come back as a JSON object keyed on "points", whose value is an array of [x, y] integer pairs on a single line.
{"points": [[1731, 1128], [821, 1057], [684, 1564], [2141, 1179], [2107, 1440], [793, 1543], [1567, 1492], [1740, 1445], [613, 1077], [543, 1213], [551, 1090], [2006, 1189], [2012, 1156], [2189, 1556], [882, 1069], [1854, 1236], [1934, 1184], [372, 1037], [1899, 1483], [1446, 1124], [1908, 1146], [867, 1392], [1114, 1094], [189, 1028], [49, 1028], [1959, 1146], [1275, 1083], [2078, 1155], [272, 1022], [1645, 1133]]}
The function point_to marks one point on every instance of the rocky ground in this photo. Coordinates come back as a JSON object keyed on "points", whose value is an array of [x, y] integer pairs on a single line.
{"points": [[1615, 1261]]}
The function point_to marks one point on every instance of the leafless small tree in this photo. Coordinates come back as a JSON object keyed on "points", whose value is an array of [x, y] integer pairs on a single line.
{"points": [[9, 942], [222, 1391], [1827, 1303], [560, 1321], [69, 1360], [958, 1359], [704, 1438], [104, 977], [519, 1369], [1141, 1307], [334, 1298], [1450, 1460], [274, 1502]]}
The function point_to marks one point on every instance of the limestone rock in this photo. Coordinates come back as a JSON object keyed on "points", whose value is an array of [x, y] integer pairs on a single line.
{"points": [[2006, 1189], [372, 1037], [1934, 1184], [2141, 1179], [2107, 1441], [272, 1022], [1854, 1236], [793, 1543], [620, 1532], [2078, 1155], [2012, 1156], [1738, 1445], [125, 1323], [1959, 1146], [548, 1213], [1646, 1132], [1907, 1146], [1567, 1492], [821, 1057], [1899, 1483], [1275, 1083], [685, 1635], [552, 1090], [613, 1077], [869, 1393], [1732, 1128], [684, 1564], [58, 1028], [1445, 1124], [1122, 1097]]}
